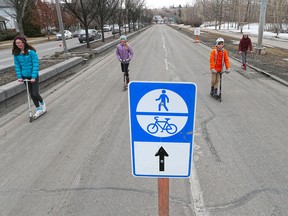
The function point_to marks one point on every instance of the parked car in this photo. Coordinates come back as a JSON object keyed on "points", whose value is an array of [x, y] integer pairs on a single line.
{"points": [[92, 35], [126, 26], [116, 29], [107, 28], [76, 33], [67, 35]]}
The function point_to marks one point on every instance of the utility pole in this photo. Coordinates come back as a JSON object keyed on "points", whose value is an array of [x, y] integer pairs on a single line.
{"points": [[260, 49], [61, 28]]}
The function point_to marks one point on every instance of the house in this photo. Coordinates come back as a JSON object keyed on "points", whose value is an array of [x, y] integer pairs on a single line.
{"points": [[7, 17], [3, 23]]}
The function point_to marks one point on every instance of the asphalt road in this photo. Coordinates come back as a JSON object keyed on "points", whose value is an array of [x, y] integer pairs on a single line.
{"points": [[75, 160]]}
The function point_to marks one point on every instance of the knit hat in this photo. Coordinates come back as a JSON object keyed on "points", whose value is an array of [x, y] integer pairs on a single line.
{"points": [[123, 37], [20, 38]]}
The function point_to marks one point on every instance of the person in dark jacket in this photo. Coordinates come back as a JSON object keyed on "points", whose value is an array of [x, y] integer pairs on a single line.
{"points": [[245, 46], [27, 67]]}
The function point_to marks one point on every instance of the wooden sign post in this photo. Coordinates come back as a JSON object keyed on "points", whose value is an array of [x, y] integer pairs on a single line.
{"points": [[163, 196]]}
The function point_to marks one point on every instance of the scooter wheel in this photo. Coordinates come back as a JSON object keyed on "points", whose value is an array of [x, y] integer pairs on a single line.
{"points": [[31, 119]]}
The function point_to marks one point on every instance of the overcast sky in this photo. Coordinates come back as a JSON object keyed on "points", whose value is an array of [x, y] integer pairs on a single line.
{"points": [[167, 3]]}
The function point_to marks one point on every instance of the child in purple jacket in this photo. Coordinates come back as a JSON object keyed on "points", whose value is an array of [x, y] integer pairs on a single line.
{"points": [[124, 54]]}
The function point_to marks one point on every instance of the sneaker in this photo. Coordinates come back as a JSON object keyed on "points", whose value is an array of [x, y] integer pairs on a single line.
{"points": [[43, 106], [38, 112]]}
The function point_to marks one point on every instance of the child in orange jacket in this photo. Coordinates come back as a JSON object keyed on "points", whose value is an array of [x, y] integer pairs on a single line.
{"points": [[218, 57]]}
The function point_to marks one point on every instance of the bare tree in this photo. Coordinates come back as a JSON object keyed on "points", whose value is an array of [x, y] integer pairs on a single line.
{"points": [[85, 11], [21, 7], [276, 14], [136, 13], [239, 12], [46, 16], [146, 16], [105, 9], [118, 15]]}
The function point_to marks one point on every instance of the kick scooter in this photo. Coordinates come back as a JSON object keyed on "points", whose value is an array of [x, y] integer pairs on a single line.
{"points": [[31, 117], [218, 97], [125, 84], [29, 100]]}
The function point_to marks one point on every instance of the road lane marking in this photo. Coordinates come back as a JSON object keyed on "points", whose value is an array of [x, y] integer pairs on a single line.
{"points": [[3, 60], [197, 194]]}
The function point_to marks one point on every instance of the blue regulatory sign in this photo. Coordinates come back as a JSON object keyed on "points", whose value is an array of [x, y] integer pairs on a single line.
{"points": [[162, 118]]}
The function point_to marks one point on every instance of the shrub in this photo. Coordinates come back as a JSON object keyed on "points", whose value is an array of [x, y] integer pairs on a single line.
{"points": [[196, 23], [7, 35]]}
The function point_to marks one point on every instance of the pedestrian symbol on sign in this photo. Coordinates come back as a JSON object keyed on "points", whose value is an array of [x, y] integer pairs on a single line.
{"points": [[163, 97]]}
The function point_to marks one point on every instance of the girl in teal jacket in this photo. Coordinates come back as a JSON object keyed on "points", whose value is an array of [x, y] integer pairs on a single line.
{"points": [[27, 67]]}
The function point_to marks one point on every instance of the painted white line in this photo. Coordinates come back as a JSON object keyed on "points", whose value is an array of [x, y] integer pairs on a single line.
{"points": [[196, 194], [166, 64], [3, 60], [54, 48], [164, 44]]}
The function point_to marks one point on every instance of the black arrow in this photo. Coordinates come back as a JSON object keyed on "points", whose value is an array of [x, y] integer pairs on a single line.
{"points": [[162, 154]]}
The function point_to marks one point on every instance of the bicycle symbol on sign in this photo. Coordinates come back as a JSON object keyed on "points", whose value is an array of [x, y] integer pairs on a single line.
{"points": [[153, 127]]}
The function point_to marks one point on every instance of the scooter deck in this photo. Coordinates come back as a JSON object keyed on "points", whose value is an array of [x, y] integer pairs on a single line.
{"points": [[39, 115], [217, 97]]}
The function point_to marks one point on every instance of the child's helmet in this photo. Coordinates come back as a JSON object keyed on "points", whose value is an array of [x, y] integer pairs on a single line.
{"points": [[220, 39], [123, 37]]}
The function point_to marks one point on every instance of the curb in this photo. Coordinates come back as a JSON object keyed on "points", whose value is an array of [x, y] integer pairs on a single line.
{"points": [[283, 82], [13, 88]]}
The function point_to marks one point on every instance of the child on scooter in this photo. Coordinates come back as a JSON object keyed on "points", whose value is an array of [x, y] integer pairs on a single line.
{"points": [[218, 57], [27, 67], [124, 54], [245, 46]]}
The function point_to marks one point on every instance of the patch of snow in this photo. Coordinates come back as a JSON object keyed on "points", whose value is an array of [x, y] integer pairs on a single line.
{"points": [[251, 29]]}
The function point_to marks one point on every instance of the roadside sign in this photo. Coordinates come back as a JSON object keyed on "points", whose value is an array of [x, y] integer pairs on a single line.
{"points": [[197, 31], [162, 116]]}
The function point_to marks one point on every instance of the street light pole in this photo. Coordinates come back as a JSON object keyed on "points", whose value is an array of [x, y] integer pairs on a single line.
{"points": [[61, 27], [263, 6]]}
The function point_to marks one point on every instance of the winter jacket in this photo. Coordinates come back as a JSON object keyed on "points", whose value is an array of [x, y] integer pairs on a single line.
{"points": [[26, 65], [217, 59], [122, 53], [245, 44]]}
